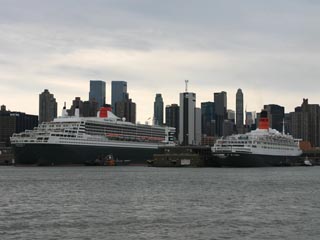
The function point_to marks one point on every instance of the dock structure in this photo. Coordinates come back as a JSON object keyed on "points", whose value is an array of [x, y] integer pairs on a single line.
{"points": [[6, 155], [183, 156], [313, 155], [201, 156]]}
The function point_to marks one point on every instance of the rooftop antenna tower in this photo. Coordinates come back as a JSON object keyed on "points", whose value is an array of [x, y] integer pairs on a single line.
{"points": [[186, 82]]}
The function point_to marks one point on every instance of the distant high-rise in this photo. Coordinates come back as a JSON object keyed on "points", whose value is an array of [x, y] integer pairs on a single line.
{"points": [[172, 117], [220, 100], [275, 115], [304, 123], [228, 127], [126, 109], [231, 115], [187, 118], [14, 122], [98, 92], [197, 126], [76, 104], [207, 118], [47, 107], [118, 93], [158, 110], [90, 108], [250, 120], [239, 111]]}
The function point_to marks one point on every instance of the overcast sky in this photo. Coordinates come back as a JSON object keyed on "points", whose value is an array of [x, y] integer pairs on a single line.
{"points": [[269, 49]]}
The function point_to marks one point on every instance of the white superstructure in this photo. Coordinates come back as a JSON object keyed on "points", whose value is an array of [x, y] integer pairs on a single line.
{"points": [[96, 131], [260, 142]]}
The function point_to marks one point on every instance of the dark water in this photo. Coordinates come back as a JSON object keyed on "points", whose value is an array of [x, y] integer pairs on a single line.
{"points": [[159, 203]]}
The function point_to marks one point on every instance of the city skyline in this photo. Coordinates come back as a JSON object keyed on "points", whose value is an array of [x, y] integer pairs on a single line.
{"points": [[268, 49]]}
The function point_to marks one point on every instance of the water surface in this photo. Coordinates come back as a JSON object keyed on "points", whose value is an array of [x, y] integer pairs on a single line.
{"points": [[159, 203]]}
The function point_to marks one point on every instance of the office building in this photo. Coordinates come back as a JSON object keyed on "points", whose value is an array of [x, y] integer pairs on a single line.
{"points": [[126, 109], [304, 123], [47, 107], [239, 111], [158, 110], [172, 117], [231, 115], [187, 118], [275, 115], [250, 120], [228, 127], [118, 93], [220, 100], [14, 122], [207, 118], [90, 108], [98, 92], [77, 103], [197, 126]]}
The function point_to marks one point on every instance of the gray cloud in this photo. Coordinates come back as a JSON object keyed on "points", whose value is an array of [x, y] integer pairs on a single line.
{"points": [[268, 47]]}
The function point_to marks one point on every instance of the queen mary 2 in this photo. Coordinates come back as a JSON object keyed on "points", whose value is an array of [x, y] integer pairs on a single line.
{"points": [[77, 140], [261, 147]]}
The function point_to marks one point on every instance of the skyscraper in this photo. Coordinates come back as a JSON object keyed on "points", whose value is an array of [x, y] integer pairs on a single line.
{"points": [[76, 103], [98, 92], [197, 126], [118, 93], [231, 115], [220, 101], [90, 108], [304, 123], [172, 117], [187, 118], [207, 118], [275, 115], [239, 111], [250, 120], [158, 110], [47, 107], [126, 109]]}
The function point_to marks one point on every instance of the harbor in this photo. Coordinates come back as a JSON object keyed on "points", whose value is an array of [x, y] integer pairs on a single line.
{"points": [[173, 156], [201, 156]]}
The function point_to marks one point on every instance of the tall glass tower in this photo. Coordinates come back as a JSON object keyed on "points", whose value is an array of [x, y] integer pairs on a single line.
{"points": [[158, 110], [118, 93], [172, 117], [98, 92], [207, 118], [220, 102]]}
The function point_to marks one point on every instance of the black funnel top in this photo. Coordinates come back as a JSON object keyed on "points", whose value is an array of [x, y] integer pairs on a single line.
{"points": [[264, 114]]}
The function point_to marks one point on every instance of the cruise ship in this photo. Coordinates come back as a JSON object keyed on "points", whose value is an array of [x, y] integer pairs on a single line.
{"points": [[261, 147], [79, 140]]}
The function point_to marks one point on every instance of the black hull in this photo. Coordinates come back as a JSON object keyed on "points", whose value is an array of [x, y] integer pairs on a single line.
{"points": [[253, 160], [57, 154]]}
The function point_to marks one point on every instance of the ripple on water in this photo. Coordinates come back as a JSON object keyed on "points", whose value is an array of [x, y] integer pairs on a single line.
{"points": [[159, 203]]}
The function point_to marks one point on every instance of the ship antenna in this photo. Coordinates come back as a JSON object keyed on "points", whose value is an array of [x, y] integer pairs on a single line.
{"points": [[283, 130], [186, 82]]}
